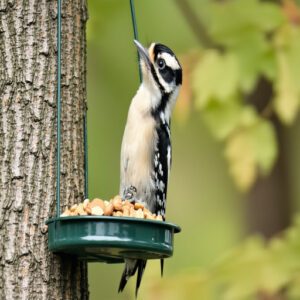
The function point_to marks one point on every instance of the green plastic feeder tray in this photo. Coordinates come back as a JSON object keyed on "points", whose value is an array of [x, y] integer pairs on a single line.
{"points": [[111, 239]]}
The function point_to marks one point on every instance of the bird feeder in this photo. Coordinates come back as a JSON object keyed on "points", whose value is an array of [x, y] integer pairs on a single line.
{"points": [[103, 238]]}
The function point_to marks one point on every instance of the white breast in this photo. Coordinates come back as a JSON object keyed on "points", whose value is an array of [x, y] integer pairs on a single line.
{"points": [[138, 145]]}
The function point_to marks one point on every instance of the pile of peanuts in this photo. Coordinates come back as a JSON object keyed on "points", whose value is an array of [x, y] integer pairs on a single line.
{"points": [[115, 207]]}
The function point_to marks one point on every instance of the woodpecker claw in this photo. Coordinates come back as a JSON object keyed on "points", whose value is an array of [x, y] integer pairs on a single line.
{"points": [[130, 194]]}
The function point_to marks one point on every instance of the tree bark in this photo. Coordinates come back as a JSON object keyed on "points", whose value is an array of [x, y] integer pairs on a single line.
{"points": [[28, 143]]}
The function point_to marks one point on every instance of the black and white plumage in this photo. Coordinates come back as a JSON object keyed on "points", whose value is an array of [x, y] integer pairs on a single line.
{"points": [[146, 145]]}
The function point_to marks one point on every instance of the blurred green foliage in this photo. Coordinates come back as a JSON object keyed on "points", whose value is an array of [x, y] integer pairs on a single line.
{"points": [[253, 39], [255, 267], [258, 39]]}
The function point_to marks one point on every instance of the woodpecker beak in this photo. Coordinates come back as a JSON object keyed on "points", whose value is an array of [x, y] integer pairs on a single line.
{"points": [[143, 53]]}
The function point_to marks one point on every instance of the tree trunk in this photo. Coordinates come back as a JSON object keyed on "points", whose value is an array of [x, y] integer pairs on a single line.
{"points": [[28, 145], [268, 207]]}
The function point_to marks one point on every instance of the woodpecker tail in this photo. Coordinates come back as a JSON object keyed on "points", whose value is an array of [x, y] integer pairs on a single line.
{"points": [[162, 267], [131, 266]]}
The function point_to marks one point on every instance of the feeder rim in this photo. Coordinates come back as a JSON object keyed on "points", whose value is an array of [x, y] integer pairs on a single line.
{"points": [[176, 228]]}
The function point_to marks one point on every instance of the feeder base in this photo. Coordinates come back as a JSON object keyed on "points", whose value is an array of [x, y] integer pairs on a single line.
{"points": [[111, 239]]}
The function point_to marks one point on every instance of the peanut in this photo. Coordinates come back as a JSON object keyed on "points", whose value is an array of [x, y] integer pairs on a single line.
{"points": [[159, 217], [139, 214], [66, 213], [117, 214], [97, 210], [108, 209], [132, 212], [88, 210], [114, 207], [97, 202], [148, 215], [73, 208], [138, 205], [127, 203], [85, 203], [80, 210], [117, 203], [126, 211]]}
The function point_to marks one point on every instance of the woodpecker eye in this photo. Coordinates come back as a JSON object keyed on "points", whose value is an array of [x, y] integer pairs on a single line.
{"points": [[161, 63]]}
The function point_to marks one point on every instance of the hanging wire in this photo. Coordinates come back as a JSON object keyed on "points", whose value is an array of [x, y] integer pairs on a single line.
{"points": [[135, 32], [85, 140], [58, 125]]}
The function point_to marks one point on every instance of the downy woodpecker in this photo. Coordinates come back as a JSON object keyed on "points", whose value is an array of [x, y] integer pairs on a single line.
{"points": [[146, 145]]}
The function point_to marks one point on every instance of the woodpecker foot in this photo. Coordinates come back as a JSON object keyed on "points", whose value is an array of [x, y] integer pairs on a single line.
{"points": [[130, 194]]}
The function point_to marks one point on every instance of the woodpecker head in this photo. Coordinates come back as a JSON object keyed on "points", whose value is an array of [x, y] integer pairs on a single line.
{"points": [[161, 72]]}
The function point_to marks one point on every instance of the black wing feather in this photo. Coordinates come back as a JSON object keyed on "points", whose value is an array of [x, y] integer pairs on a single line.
{"points": [[161, 167]]}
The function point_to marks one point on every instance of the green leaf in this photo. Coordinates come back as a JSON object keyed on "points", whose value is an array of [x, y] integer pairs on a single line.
{"points": [[269, 16], [250, 150], [268, 65], [264, 146], [241, 159], [215, 78], [287, 88], [225, 117], [222, 117], [241, 27], [248, 116], [251, 143], [287, 96], [250, 51], [230, 20]]}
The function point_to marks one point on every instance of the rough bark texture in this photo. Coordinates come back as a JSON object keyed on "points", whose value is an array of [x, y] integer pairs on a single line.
{"points": [[28, 145]]}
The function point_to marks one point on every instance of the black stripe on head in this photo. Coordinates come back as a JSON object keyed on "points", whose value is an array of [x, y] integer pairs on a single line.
{"points": [[178, 77], [164, 96], [156, 79], [160, 48], [167, 74]]}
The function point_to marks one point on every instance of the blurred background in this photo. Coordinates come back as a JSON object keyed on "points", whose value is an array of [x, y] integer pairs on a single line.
{"points": [[235, 133]]}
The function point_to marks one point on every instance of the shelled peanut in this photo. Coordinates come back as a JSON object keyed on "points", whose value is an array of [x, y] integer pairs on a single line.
{"points": [[115, 207]]}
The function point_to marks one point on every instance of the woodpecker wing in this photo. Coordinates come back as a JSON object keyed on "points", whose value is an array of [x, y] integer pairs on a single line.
{"points": [[162, 162]]}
